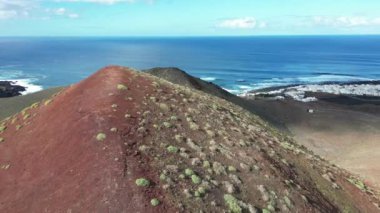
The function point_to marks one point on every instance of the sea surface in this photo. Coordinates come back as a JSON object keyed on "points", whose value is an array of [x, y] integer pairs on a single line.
{"points": [[238, 64]]}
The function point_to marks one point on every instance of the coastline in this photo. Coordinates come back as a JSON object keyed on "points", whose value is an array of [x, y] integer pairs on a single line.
{"points": [[311, 92], [12, 88]]}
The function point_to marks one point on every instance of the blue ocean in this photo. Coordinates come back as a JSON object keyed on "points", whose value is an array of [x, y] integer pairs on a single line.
{"points": [[235, 63]]}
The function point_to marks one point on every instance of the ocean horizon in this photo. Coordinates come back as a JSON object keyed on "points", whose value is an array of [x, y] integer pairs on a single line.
{"points": [[238, 64]]}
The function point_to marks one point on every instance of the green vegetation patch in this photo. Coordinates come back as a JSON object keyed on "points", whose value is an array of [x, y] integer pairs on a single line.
{"points": [[193, 126], [232, 203], [2, 128], [196, 179], [35, 105], [172, 149], [189, 172], [26, 116], [163, 177], [358, 183], [266, 211], [142, 182], [167, 124], [155, 202], [47, 102], [1, 140], [206, 164], [101, 136], [232, 169], [202, 190], [122, 87], [287, 145], [164, 107]]}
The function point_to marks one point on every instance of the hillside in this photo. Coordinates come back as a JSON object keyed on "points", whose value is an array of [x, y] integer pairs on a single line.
{"points": [[142, 144], [180, 77]]}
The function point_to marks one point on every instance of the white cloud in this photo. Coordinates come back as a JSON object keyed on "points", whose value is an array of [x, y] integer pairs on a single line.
{"points": [[7, 14], [61, 12], [242, 23], [346, 21], [14, 8]]}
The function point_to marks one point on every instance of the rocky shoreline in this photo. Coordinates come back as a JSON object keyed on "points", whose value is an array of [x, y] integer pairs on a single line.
{"points": [[9, 89]]}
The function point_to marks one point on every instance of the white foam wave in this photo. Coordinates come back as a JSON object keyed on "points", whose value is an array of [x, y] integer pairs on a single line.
{"points": [[274, 82], [208, 78], [18, 77], [28, 84], [5, 75], [233, 91]]}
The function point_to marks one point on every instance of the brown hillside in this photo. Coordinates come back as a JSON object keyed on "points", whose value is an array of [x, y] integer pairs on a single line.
{"points": [[119, 139], [180, 77]]}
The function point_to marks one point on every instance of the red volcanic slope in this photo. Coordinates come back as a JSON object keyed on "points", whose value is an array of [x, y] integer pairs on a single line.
{"points": [[61, 157]]}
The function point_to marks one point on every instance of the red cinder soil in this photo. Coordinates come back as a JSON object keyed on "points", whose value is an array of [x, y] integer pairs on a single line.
{"points": [[56, 163]]}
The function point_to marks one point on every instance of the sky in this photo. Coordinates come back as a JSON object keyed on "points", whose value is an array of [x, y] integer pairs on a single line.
{"points": [[188, 17]]}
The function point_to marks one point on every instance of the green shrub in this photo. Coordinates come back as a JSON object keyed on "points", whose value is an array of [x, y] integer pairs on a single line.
{"points": [[189, 172], [231, 169], [167, 125], [35, 105], [172, 149], [202, 190], [193, 126], [196, 179], [122, 87], [179, 138], [155, 202], [163, 177], [164, 107], [47, 102], [101, 137], [142, 182], [18, 127], [232, 203], [26, 116], [266, 211], [206, 164], [359, 184]]}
